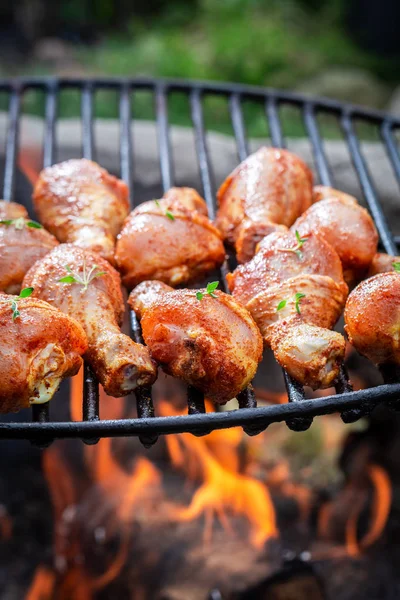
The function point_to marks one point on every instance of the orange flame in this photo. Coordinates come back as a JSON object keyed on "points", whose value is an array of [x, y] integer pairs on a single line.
{"points": [[42, 585], [224, 490], [382, 501]]}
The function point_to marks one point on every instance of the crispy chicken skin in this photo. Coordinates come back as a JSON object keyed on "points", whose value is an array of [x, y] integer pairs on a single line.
{"points": [[171, 240], [38, 350], [20, 246], [119, 363], [82, 203], [182, 335], [348, 227], [372, 318], [382, 263], [271, 187], [302, 341]]}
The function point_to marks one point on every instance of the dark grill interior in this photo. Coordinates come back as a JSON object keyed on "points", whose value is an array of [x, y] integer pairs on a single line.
{"points": [[298, 412]]}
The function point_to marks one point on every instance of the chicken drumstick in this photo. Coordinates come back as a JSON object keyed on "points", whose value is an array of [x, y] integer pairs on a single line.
{"points": [[171, 240], [91, 293], [383, 263], [206, 339], [22, 243], [295, 293], [82, 203], [348, 228], [39, 347], [270, 188], [372, 318]]}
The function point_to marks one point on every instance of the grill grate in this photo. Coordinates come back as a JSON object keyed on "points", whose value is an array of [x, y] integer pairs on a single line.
{"points": [[298, 412]]}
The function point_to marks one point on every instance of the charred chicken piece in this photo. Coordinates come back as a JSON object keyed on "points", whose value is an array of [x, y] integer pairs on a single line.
{"points": [[171, 240], [268, 190], [295, 295], [39, 347], [211, 343], [372, 318], [22, 243], [91, 293], [347, 226], [383, 263], [82, 203]]}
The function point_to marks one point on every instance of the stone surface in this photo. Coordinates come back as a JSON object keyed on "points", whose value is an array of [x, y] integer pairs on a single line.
{"points": [[394, 103], [349, 85], [223, 153]]}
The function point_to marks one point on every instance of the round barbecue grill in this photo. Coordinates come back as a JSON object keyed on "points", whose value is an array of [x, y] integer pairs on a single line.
{"points": [[298, 412]]}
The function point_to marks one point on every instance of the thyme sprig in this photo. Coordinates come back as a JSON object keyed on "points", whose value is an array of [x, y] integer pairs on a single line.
{"points": [[210, 289], [167, 212], [296, 299], [25, 293], [297, 248], [396, 266], [85, 279], [20, 223]]}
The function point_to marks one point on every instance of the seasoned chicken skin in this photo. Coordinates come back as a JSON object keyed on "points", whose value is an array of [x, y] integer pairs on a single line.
{"points": [[82, 203], [271, 187], [372, 318], [38, 349], [347, 226], [119, 363], [171, 240], [322, 192], [296, 328], [382, 263], [20, 245], [212, 343]]}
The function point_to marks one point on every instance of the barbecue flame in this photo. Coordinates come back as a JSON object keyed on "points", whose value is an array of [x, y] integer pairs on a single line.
{"points": [[224, 491]]}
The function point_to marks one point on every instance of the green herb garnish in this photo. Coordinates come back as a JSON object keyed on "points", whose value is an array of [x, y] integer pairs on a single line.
{"points": [[167, 212], [85, 279], [297, 247], [25, 293], [20, 223], [281, 305], [210, 289], [296, 299], [396, 266]]}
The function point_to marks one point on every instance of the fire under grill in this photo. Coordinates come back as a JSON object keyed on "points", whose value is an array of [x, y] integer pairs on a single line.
{"points": [[298, 412]]}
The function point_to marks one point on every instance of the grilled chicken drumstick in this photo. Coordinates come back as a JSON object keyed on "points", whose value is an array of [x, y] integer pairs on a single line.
{"points": [[22, 243], [346, 225], [207, 339], [91, 293], [171, 240], [295, 292], [383, 263], [82, 203], [39, 347], [270, 188], [372, 318]]}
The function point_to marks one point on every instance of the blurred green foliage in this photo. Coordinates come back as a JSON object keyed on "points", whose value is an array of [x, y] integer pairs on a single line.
{"points": [[279, 43]]}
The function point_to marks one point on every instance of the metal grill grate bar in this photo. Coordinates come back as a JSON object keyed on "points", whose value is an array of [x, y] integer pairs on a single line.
{"points": [[11, 145], [323, 169], [144, 401], [275, 128], [391, 147], [167, 176], [367, 184], [90, 399], [299, 412]]}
